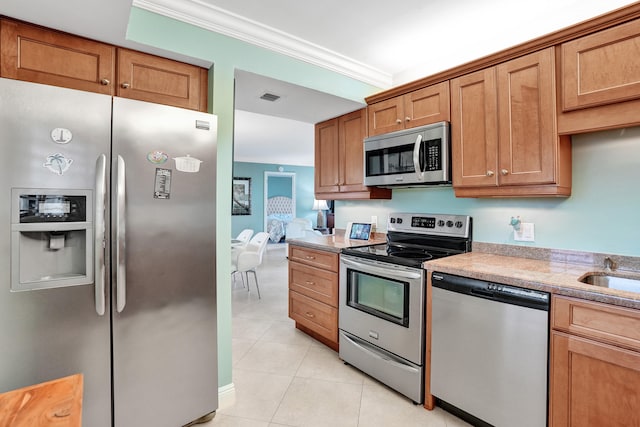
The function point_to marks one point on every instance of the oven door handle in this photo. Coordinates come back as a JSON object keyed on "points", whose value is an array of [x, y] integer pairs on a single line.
{"points": [[379, 270], [416, 158], [370, 349]]}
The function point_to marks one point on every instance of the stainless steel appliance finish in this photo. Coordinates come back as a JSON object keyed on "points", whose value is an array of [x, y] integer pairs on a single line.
{"points": [[382, 297], [489, 350], [144, 328], [406, 158], [386, 345]]}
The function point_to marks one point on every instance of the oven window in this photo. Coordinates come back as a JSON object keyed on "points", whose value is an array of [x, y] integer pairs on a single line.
{"points": [[379, 296]]}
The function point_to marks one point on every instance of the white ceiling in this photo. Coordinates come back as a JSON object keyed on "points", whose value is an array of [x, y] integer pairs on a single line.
{"points": [[383, 43]]}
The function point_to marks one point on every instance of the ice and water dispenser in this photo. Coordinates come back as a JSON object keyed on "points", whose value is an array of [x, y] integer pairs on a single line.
{"points": [[51, 238]]}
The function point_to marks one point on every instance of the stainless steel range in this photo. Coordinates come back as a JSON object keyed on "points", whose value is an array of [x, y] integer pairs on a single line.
{"points": [[383, 297]]}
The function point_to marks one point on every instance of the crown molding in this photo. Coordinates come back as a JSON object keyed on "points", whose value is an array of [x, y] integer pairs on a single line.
{"points": [[201, 14]]}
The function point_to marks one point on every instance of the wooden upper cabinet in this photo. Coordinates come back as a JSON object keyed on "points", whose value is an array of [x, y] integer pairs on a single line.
{"points": [[352, 128], [601, 80], [163, 81], [339, 159], [504, 139], [602, 68], [326, 157], [474, 129], [417, 108], [44, 56], [527, 116]]}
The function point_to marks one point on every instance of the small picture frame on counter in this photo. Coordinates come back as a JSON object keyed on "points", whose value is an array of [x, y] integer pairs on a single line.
{"points": [[358, 231]]}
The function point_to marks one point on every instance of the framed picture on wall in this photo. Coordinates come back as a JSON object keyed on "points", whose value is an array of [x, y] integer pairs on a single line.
{"points": [[241, 196]]}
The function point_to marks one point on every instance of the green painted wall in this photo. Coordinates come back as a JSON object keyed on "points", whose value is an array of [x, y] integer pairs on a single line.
{"points": [[600, 216], [255, 171], [227, 55]]}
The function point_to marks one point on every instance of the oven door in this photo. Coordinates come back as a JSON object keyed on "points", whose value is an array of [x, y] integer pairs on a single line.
{"points": [[383, 304]]}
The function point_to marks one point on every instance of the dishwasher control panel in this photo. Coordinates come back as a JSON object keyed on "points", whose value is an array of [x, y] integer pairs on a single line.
{"points": [[493, 291]]}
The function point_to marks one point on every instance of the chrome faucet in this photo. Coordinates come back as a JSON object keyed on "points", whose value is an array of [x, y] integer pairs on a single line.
{"points": [[609, 264]]}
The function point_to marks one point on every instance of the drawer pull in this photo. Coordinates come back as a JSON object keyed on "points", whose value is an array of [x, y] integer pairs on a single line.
{"points": [[310, 257], [309, 283], [310, 315]]}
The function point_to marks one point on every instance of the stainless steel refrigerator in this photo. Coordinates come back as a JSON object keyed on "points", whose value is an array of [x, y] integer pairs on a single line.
{"points": [[107, 252]]}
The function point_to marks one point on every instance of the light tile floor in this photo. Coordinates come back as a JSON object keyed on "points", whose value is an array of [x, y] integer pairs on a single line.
{"points": [[282, 377]]}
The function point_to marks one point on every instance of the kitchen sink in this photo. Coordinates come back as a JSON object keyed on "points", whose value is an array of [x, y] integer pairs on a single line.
{"points": [[630, 283]]}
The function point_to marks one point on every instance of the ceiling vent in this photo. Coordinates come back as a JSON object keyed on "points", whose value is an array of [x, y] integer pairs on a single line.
{"points": [[269, 97]]}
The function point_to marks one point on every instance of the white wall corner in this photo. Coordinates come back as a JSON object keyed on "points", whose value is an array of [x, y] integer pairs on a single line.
{"points": [[226, 396]]}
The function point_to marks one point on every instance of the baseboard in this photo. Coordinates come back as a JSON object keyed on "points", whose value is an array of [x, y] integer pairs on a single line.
{"points": [[226, 396]]}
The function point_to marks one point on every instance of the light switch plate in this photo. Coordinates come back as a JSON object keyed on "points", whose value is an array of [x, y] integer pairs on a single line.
{"points": [[526, 232]]}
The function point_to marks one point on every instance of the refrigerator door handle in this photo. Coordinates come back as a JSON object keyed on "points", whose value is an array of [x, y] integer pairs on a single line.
{"points": [[121, 276], [99, 232]]}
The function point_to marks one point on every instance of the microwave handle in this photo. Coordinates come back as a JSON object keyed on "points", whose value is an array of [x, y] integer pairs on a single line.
{"points": [[416, 158]]}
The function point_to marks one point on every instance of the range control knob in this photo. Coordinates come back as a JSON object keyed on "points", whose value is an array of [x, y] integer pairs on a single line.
{"points": [[399, 220], [392, 220], [449, 223], [441, 223], [458, 224]]}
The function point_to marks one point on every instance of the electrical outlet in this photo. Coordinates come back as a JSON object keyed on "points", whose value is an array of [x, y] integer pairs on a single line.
{"points": [[526, 232]]}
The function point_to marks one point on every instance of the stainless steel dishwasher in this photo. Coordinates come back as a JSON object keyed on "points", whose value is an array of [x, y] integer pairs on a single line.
{"points": [[489, 354]]}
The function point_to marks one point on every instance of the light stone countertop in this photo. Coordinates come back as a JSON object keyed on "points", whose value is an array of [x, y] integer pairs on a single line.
{"points": [[554, 271], [336, 242]]}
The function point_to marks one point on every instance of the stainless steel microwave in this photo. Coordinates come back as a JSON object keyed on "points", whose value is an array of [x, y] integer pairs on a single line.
{"points": [[412, 157]]}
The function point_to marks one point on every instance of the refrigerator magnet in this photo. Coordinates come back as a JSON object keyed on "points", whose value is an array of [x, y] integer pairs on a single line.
{"points": [[57, 163], [61, 135], [162, 187], [187, 163], [157, 157]]}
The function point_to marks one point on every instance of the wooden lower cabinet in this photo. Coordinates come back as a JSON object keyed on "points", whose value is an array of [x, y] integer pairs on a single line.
{"points": [[594, 365], [313, 293]]}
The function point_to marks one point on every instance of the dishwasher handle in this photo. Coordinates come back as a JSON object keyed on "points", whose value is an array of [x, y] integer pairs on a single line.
{"points": [[497, 292]]}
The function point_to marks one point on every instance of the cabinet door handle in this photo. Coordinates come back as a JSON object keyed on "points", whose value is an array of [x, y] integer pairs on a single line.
{"points": [[398, 121], [490, 173], [125, 85], [105, 82], [407, 119], [310, 315], [504, 172]]}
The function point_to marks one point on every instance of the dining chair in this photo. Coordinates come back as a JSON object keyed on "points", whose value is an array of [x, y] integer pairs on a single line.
{"points": [[245, 235], [250, 258], [241, 240]]}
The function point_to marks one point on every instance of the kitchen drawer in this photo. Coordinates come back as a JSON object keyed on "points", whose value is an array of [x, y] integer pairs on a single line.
{"points": [[314, 258], [321, 285], [320, 318], [603, 322]]}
